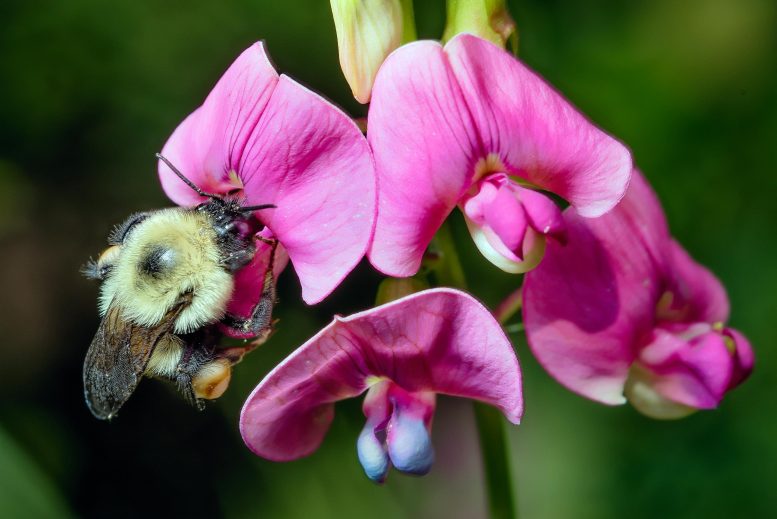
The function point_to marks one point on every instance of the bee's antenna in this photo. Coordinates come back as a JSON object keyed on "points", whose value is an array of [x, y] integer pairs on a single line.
{"points": [[186, 180], [258, 207]]}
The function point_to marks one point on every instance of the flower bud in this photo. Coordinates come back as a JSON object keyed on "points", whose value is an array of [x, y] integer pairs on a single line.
{"points": [[488, 19], [510, 223], [367, 32]]}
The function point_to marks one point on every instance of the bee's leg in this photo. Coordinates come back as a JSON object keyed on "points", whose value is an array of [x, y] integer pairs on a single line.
{"points": [[259, 324], [185, 386], [239, 259]]}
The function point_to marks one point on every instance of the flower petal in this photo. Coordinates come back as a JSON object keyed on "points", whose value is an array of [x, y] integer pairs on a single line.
{"points": [[544, 215], [696, 290], [589, 301], [744, 358], [373, 454], [424, 142], [535, 131], [507, 218], [287, 146], [439, 340], [310, 159], [208, 144], [694, 373], [409, 444]]}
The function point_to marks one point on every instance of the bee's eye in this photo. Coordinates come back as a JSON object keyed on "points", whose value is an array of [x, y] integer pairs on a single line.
{"points": [[157, 260], [120, 232]]}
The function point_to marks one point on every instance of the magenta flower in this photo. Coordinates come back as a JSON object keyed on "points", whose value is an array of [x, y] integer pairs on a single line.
{"points": [[403, 354], [276, 142], [622, 312], [468, 125]]}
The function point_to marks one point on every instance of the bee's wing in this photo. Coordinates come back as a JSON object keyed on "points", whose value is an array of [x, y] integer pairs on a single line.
{"points": [[117, 358]]}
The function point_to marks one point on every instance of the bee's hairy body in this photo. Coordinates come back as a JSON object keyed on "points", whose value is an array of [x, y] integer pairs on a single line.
{"points": [[166, 357], [170, 253], [167, 277]]}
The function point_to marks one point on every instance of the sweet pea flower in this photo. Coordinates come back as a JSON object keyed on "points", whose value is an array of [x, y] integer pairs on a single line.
{"points": [[402, 354], [468, 125], [272, 141], [621, 312]]}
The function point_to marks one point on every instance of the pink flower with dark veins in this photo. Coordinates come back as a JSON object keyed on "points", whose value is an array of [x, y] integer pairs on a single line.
{"points": [[621, 312], [273, 141], [469, 125], [402, 354]]}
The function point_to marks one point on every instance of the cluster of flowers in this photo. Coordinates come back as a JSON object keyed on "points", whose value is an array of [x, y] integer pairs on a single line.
{"points": [[613, 308]]}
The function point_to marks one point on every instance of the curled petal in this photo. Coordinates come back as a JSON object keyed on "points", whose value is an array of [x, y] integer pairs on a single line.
{"points": [[507, 218], [283, 145], [409, 444], [439, 340], [373, 453], [508, 223], [589, 301], [544, 215], [535, 131], [744, 358], [695, 373], [490, 245], [495, 214], [697, 295], [371, 445]]}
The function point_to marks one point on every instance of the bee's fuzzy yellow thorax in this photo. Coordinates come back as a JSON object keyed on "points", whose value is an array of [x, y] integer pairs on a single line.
{"points": [[186, 242]]}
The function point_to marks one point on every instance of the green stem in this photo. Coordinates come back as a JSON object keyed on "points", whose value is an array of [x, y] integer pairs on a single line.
{"points": [[408, 21], [510, 306], [493, 446], [493, 438], [448, 269]]}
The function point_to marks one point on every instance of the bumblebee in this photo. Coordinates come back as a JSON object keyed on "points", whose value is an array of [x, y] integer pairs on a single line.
{"points": [[166, 278]]}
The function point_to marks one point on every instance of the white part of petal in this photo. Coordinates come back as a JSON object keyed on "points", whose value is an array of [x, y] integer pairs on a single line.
{"points": [[532, 257]]}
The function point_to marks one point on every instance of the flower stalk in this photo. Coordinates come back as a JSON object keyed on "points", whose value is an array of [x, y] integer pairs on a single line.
{"points": [[408, 21], [491, 433], [510, 306]]}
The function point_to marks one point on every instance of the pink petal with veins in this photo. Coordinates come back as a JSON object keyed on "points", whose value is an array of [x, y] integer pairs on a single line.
{"points": [[589, 301], [439, 340], [438, 116], [284, 145]]}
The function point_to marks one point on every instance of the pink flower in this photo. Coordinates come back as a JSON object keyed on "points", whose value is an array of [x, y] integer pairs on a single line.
{"points": [[468, 125], [403, 354], [622, 312], [276, 142]]}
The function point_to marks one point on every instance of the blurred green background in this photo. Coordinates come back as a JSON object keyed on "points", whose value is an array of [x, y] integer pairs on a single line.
{"points": [[90, 90]]}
